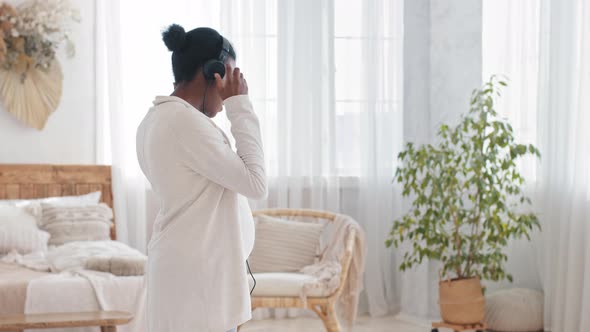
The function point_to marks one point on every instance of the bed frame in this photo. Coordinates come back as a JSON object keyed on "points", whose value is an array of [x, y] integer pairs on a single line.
{"points": [[24, 181]]}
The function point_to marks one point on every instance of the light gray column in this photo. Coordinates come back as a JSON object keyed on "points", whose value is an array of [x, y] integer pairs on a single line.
{"points": [[442, 63], [455, 57], [416, 70]]}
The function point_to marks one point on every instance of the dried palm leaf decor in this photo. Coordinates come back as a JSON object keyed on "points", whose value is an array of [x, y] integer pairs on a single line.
{"points": [[30, 74]]}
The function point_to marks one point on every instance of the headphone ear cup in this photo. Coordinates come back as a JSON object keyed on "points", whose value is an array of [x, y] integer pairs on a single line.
{"points": [[211, 67]]}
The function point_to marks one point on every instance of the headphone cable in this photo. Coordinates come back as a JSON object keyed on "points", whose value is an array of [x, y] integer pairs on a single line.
{"points": [[252, 275], [205, 97]]}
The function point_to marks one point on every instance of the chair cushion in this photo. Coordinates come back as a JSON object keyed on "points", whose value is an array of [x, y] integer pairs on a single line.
{"points": [[515, 310], [284, 284], [284, 245]]}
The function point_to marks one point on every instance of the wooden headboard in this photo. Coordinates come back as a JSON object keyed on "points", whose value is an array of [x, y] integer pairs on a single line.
{"points": [[23, 181]]}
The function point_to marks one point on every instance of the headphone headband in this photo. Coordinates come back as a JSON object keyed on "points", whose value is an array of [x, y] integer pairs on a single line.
{"points": [[223, 54]]}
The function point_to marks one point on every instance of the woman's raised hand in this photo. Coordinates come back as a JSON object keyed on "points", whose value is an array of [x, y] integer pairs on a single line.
{"points": [[232, 84]]}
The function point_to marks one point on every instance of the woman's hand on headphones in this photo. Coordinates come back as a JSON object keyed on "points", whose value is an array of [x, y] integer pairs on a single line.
{"points": [[233, 84]]}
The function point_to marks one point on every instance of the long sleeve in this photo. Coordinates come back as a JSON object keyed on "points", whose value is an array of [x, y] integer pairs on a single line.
{"points": [[207, 153]]}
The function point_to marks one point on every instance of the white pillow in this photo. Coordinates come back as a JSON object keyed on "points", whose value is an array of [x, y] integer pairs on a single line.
{"points": [[284, 245], [515, 310], [77, 223], [27, 214], [18, 229], [91, 198]]}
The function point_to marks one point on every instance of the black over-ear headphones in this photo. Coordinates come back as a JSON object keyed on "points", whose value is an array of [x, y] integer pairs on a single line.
{"points": [[217, 65]]}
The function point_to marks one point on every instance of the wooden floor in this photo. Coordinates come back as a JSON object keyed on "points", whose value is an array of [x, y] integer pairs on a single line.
{"points": [[364, 324]]}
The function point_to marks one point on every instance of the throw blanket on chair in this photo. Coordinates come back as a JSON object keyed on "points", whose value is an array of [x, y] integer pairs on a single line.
{"points": [[328, 269]]}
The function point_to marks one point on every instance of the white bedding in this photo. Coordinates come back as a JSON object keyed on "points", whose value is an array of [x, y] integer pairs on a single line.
{"points": [[71, 288], [71, 256]]}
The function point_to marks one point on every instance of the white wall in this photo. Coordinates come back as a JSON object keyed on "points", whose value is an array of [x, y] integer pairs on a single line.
{"points": [[68, 136]]}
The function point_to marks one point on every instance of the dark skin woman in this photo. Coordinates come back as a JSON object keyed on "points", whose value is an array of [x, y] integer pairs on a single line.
{"points": [[204, 232]]}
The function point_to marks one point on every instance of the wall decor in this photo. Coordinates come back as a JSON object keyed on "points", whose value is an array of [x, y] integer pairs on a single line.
{"points": [[30, 74]]}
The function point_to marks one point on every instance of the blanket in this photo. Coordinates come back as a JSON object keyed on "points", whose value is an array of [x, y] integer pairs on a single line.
{"points": [[76, 256], [327, 271]]}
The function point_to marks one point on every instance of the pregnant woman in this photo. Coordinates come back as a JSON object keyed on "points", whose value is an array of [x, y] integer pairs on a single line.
{"points": [[196, 275]]}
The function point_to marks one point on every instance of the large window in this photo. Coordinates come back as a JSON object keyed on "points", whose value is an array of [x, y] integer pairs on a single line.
{"points": [[361, 87]]}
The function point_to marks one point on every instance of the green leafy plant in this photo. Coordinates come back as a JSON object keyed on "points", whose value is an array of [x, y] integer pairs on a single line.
{"points": [[466, 192]]}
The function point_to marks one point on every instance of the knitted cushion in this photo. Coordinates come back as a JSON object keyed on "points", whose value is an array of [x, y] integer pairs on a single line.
{"points": [[515, 310], [284, 245], [77, 223], [70, 231]]}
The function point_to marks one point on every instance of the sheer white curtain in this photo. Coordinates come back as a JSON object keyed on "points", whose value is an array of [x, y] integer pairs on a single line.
{"points": [[564, 127], [325, 79], [510, 48], [339, 119], [544, 46]]}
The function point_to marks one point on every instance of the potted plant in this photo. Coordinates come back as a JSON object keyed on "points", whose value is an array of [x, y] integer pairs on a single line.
{"points": [[467, 203]]}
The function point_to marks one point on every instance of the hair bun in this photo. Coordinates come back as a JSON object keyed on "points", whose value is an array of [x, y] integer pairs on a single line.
{"points": [[174, 37]]}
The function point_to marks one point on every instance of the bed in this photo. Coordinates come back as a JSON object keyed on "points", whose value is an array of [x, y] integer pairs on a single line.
{"points": [[26, 290]]}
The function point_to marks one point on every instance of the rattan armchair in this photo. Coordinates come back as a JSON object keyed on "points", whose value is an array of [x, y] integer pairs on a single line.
{"points": [[324, 307]]}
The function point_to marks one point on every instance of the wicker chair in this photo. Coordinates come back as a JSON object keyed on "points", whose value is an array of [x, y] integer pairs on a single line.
{"points": [[324, 307]]}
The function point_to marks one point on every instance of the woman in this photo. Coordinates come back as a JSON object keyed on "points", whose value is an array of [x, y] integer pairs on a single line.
{"points": [[196, 275]]}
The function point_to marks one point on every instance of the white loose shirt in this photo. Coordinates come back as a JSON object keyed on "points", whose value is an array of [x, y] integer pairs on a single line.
{"points": [[204, 232]]}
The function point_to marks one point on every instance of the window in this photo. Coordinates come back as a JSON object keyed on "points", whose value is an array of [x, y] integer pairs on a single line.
{"points": [[367, 57], [361, 94]]}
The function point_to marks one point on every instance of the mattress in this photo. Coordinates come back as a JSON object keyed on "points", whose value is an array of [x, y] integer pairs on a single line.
{"points": [[27, 286], [13, 287], [23, 290]]}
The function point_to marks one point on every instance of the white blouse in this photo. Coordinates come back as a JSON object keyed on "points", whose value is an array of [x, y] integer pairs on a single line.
{"points": [[204, 232]]}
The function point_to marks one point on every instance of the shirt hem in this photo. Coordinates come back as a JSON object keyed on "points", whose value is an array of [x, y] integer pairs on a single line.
{"points": [[243, 319]]}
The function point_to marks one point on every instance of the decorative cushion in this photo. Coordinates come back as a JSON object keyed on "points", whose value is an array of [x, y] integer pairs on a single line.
{"points": [[70, 231], [119, 266], [76, 223], [18, 229], [284, 245], [515, 310], [284, 284], [91, 198]]}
